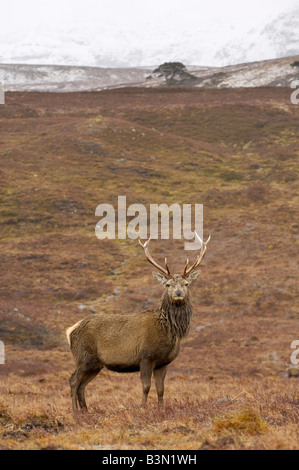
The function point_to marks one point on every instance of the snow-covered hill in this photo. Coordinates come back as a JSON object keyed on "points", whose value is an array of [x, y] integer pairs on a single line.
{"points": [[278, 38], [277, 72], [67, 79], [188, 41]]}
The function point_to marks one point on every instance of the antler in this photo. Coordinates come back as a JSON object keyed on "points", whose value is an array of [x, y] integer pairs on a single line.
{"points": [[151, 260], [199, 258]]}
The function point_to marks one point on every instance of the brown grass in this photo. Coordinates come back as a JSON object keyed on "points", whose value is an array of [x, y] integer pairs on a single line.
{"points": [[236, 152], [248, 421]]}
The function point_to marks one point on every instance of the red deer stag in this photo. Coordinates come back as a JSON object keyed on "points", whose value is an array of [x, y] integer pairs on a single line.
{"points": [[145, 342]]}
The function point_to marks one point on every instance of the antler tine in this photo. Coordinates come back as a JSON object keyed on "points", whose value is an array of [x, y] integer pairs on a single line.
{"points": [[186, 266], [199, 258], [151, 260], [166, 265]]}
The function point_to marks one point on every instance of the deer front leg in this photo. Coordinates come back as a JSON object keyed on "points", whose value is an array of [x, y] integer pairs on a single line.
{"points": [[159, 375], [146, 370]]}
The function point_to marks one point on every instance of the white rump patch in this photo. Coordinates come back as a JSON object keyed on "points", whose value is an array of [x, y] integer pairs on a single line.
{"points": [[70, 330]]}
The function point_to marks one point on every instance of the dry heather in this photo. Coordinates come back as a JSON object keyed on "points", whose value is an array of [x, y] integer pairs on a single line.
{"points": [[235, 151]]}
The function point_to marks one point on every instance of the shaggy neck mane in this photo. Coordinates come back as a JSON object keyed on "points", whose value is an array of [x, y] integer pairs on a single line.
{"points": [[176, 316]]}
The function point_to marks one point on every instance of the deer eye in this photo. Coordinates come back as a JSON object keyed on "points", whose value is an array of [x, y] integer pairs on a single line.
{"points": [[186, 283], [167, 284]]}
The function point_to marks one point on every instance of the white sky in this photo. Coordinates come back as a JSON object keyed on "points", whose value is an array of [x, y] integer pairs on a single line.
{"points": [[33, 15]]}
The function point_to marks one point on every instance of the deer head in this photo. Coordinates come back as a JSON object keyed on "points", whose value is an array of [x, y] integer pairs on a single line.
{"points": [[176, 284]]}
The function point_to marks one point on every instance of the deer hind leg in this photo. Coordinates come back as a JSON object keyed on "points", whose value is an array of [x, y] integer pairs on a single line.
{"points": [[159, 376], [74, 388], [146, 370], [79, 379], [89, 376]]}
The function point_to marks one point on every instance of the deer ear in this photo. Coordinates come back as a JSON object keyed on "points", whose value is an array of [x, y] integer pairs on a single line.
{"points": [[160, 278], [192, 276]]}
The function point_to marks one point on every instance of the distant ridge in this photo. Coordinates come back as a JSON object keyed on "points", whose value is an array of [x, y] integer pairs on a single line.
{"points": [[56, 78]]}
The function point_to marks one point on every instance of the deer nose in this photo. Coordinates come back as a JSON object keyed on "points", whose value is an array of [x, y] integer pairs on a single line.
{"points": [[178, 293]]}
